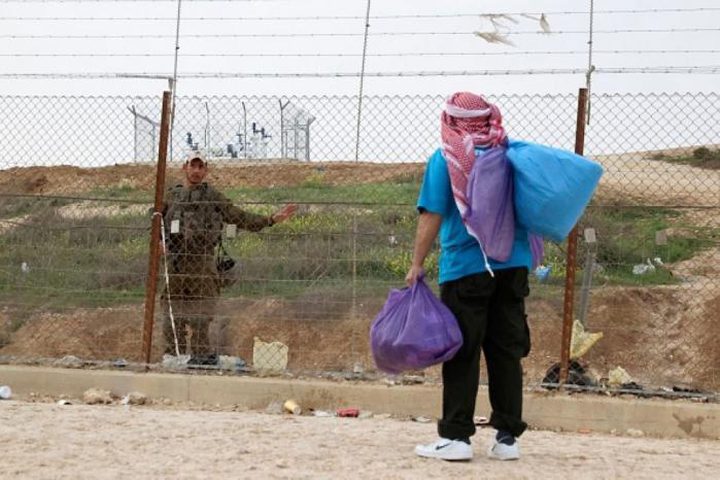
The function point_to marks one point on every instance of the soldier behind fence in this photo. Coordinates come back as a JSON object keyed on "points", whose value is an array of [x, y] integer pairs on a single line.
{"points": [[194, 214]]}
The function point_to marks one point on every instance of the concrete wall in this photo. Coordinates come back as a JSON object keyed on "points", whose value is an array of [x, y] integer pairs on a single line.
{"points": [[551, 410]]}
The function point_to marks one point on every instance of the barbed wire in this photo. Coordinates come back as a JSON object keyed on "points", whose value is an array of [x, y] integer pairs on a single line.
{"points": [[350, 17], [132, 1], [231, 75], [352, 55], [347, 34]]}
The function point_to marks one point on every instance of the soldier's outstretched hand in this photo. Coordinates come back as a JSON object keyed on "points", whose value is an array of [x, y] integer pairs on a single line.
{"points": [[284, 213]]}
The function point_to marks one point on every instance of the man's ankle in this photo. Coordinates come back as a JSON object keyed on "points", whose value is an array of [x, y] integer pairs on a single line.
{"points": [[505, 437]]}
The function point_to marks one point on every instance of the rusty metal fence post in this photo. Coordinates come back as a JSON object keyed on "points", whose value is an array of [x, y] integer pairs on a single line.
{"points": [[154, 254], [571, 262]]}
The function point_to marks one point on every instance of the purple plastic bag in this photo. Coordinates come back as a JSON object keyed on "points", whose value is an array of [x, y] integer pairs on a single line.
{"points": [[537, 249], [490, 217], [414, 330]]}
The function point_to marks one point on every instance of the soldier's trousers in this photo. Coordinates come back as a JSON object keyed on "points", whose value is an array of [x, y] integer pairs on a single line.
{"points": [[192, 316]]}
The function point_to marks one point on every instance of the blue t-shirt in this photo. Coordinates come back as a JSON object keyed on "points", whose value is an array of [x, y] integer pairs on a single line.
{"points": [[460, 253]]}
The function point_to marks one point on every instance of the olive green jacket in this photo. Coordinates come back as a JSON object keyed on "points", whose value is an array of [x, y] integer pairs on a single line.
{"points": [[194, 218]]}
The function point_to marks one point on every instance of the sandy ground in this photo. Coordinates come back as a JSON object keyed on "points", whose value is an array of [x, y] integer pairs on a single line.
{"points": [[42, 440], [636, 179]]}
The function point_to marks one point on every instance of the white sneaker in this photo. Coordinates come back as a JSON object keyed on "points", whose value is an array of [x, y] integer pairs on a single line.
{"points": [[446, 449], [501, 451]]}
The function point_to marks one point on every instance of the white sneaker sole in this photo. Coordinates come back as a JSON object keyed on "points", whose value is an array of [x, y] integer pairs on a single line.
{"points": [[448, 456], [503, 456]]}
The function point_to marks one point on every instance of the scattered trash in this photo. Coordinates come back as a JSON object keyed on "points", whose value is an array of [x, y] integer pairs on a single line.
{"points": [[291, 406], [274, 408], [227, 362], [618, 376], [631, 386], [348, 412], [581, 340], [95, 396], [134, 398], [173, 361], [643, 268], [633, 432], [577, 375], [421, 419], [640, 269], [494, 37], [120, 363], [358, 368], [481, 421], [658, 261], [661, 237], [68, 361], [270, 356], [24, 267], [542, 273], [322, 413], [678, 388], [5, 392], [64, 402], [412, 379], [204, 361]]}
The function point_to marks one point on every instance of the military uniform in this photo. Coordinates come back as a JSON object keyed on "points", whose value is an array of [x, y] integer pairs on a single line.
{"points": [[199, 213]]}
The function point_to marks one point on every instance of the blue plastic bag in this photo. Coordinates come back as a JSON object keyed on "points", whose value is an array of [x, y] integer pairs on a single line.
{"points": [[542, 273], [552, 187], [414, 330]]}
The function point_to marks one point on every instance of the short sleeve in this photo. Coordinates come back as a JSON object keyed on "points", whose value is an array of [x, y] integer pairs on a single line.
{"points": [[436, 192]]}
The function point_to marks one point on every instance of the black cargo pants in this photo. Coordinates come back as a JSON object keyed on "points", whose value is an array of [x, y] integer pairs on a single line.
{"points": [[491, 315]]}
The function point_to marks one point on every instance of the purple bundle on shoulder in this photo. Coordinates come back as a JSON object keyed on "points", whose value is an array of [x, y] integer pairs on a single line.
{"points": [[490, 217], [414, 330]]}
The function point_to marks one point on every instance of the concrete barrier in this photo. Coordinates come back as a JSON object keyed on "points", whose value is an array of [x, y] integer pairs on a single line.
{"points": [[543, 410]]}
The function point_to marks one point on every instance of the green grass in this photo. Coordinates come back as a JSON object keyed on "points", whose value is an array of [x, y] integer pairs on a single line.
{"points": [[318, 192], [701, 157], [123, 192], [103, 261], [79, 263], [12, 207], [626, 237]]}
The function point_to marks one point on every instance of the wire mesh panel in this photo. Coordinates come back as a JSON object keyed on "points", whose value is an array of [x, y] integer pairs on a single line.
{"points": [[73, 272], [145, 136], [653, 250], [301, 294]]}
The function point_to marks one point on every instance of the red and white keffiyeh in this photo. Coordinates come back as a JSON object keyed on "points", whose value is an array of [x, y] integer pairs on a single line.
{"points": [[468, 121]]}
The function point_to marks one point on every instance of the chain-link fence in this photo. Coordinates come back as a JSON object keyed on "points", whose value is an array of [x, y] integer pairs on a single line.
{"points": [[75, 211]]}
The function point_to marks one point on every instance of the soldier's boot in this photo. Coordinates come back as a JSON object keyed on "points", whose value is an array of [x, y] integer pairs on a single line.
{"points": [[219, 336], [200, 346]]}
